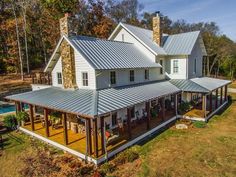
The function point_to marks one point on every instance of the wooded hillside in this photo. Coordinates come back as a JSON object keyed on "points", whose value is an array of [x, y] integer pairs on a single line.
{"points": [[30, 31]]}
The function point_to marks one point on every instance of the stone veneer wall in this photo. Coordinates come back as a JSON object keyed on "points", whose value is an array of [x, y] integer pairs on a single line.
{"points": [[157, 32], [67, 53]]}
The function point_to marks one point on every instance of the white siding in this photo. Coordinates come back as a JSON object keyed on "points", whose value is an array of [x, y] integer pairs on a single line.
{"points": [[129, 38], [122, 77], [182, 64], [81, 65], [196, 54], [57, 68]]}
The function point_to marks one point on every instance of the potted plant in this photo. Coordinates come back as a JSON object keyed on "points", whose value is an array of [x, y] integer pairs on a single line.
{"points": [[22, 117]]}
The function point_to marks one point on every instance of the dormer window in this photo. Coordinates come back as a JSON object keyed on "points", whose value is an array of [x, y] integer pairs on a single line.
{"points": [[131, 75], [112, 77], [195, 66], [161, 69], [146, 74], [85, 78], [175, 66], [123, 38], [59, 78]]}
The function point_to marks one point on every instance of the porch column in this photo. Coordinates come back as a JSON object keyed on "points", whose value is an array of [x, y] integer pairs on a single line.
{"points": [[46, 122], [88, 137], [148, 114], [226, 93], [221, 95], [210, 97], [204, 105], [95, 137], [216, 103], [163, 108], [102, 135], [129, 123], [176, 104], [31, 109], [18, 106], [65, 128]]}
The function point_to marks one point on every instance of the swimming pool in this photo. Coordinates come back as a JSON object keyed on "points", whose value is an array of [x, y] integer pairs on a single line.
{"points": [[9, 108]]}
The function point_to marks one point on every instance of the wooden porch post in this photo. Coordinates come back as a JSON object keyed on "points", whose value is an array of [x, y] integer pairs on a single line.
{"points": [[210, 97], [129, 123], [176, 103], [18, 107], [65, 131], [221, 95], [31, 107], [216, 103], [148, 114], [226, 93], [204, 105], [46, 122], [95, 137], [163, 108], [88, 136], [102, 135]]}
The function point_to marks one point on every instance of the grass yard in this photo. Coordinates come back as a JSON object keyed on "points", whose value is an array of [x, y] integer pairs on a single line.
{"points": [[208, 151]]}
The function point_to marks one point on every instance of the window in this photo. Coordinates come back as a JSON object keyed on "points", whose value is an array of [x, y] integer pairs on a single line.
{"points": [[175, 66], [161, 69], [112, 77], [59, 78], [146, 74], [85, 78], [131, 75], [114, 119], [123, 38], [132, 112], [195, 66]]}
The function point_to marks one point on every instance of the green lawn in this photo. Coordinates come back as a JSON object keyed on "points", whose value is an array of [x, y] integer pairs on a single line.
{"points": [[208, 151]]}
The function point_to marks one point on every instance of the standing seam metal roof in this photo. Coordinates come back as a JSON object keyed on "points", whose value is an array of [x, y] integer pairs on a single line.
{"points": [[105, 54], [92, 102]]}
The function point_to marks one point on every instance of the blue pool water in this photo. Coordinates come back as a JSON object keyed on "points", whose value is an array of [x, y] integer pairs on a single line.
{"points": [[9, 108]]}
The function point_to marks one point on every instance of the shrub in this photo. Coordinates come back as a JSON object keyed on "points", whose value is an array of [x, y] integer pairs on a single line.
{"points": [[184, 106], [127, 156], [199, 124], [10, 121], [55, 116], [22, 116]]}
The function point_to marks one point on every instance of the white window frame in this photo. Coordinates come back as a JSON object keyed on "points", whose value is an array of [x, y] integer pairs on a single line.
{"points": [[84, 80], [175, 67], [161, 69], [111, 78], [195, 66], [146, 78], [59, 83], [123, 37]]}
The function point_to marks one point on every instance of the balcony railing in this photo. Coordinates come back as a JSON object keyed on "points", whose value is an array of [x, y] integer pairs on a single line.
{"points": [[41, 78]]}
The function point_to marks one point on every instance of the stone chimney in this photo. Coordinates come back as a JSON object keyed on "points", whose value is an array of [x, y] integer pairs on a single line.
{"points": [[67, 53], [157, 31]]}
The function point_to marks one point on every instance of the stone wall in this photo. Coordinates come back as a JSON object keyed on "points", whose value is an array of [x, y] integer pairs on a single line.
{"points": [[157, 31]]}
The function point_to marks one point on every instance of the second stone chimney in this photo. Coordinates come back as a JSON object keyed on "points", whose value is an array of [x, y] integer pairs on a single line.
{"points": [[67, 53], [157, 31]]}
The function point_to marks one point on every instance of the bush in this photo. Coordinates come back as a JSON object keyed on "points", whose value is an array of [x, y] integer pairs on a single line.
{"points": [[10, 121], [22, 116], [127, 156], [199, 124], [184, 107]]}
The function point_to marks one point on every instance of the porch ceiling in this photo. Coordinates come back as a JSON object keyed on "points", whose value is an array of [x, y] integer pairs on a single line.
{"points": [[95, 102]]}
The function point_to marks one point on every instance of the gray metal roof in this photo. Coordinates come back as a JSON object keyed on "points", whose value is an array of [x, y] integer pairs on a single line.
{"points": [[105, 54], [145, 36], [177, 44], [210, 83], [92, 102], [188, 86], [180, 44]]}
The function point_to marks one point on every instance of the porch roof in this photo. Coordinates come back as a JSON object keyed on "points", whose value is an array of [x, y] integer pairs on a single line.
{"points": [[90, 103], [188, 86]]}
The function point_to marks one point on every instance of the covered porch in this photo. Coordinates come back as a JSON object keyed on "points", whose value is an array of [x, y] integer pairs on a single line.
{"points": [[94, 134]]}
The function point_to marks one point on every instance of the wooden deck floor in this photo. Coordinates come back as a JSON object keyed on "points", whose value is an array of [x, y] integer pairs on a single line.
{"points": [[77, 141]]}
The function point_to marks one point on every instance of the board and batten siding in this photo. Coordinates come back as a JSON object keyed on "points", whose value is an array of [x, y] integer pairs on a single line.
{"points": [[57, 69], [129, 38], [122, 77], [82, 65], [198, 55]]}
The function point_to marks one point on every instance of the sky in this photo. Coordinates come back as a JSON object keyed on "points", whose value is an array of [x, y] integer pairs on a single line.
{"points": [[223, 12]]}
